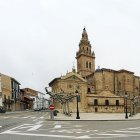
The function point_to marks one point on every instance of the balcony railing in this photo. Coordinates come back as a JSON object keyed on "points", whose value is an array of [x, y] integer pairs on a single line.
{"points": [[7, 101], [92, 104]]}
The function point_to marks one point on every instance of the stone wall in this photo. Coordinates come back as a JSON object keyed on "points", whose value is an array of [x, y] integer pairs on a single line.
{"points": [[102, 107]]}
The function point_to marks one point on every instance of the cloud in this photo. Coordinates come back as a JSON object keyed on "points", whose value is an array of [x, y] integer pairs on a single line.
{"points": [[39, 39]]}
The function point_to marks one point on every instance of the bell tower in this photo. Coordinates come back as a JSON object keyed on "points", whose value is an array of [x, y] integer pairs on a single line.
{"points": [[85, 57]]}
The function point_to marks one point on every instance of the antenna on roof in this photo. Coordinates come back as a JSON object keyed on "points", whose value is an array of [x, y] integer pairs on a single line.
{"points": [[73, 68]]}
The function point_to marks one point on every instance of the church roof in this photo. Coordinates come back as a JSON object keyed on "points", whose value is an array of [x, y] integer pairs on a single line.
{"points": [[55, 79], [68, 75], [73, 74], [123, 70], [111, 70]]}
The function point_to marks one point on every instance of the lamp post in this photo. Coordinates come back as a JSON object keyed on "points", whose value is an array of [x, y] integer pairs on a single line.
{"points": [[126, 96], [78, 98]]}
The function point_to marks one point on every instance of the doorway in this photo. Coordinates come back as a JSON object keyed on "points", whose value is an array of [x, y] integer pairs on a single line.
{"points": [[96, 109]]}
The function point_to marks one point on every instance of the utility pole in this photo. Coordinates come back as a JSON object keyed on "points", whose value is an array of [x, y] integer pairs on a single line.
{"points": [[1, 104]]}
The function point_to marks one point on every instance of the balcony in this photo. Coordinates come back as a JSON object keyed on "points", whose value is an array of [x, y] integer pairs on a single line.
{"points": [[100, 104], [8, 101]]}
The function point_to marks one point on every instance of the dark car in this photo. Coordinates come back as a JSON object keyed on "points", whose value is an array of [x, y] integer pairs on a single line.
{"points": [[37, 109], [2, 109]]}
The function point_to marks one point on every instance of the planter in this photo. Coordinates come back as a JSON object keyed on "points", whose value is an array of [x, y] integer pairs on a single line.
{"points": [[2, 110]]}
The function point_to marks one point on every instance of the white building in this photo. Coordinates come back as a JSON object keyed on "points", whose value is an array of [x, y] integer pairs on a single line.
{"points": [[40, 101]]}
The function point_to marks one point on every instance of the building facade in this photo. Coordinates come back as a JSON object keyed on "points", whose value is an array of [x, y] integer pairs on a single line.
{"points": [[28, 97], [6, 98], [101, 90], [9, 92], [40, 101], [15, 85]]}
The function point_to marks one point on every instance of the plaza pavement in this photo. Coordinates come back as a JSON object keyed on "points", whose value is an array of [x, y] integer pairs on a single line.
{"points": [[97, 116], [88, 116]]}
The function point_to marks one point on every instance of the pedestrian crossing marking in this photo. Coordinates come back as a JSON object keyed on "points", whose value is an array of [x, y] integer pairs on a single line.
{"points": [[60, 132]]}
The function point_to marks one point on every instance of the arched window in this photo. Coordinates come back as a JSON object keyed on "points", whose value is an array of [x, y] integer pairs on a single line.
{"points": [[88, 90], [95, 102], [86, 64], [90, 65], [119, 86]]}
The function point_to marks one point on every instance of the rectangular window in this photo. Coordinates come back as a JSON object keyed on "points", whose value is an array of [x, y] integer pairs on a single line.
{"points": [[106, 102], [117, 102], [86, 64], [90, 65], [95, 102]]}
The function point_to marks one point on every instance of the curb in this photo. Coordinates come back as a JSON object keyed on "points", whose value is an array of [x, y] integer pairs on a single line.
{"points": [[90, 120]]}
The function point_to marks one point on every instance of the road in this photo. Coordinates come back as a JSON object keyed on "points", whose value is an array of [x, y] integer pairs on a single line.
{"points": [[34, 126]]}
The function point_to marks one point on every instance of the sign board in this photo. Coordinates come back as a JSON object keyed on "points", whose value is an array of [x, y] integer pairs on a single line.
{"points": [[1, 102], [51, 107], [78, 98]]}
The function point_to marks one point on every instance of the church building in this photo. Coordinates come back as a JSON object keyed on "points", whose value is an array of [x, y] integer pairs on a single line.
{"points": [[101, 89]]}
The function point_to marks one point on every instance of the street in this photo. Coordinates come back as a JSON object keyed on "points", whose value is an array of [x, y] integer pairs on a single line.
{"points": [[34, 126]]}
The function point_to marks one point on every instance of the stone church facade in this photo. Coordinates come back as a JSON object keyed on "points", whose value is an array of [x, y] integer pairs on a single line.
{"points": [[101, 90]]}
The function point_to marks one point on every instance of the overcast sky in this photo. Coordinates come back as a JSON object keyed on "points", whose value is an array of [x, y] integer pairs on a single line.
{"points": [[39, 38]]}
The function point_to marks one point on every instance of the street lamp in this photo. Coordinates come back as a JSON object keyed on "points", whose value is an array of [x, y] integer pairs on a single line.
{"points": [[126, 96], [78, 98]]}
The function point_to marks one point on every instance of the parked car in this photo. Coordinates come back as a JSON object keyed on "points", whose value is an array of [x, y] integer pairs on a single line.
{"points": [[37, 109], [2, 109]]}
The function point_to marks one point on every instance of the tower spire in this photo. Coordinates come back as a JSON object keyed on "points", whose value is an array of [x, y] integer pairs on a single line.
{"points": [[84, 34], [85, 57]]}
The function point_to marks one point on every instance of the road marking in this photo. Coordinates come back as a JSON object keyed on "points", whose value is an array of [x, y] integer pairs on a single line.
{"points": [[57, 126], [15, 117], [0, 126], [40, 135], [128, 131], [33, 117], [6, 117], [30, 127], [30, 130], [10, 130], [34, 127], [26, 117], [40, 117], [39, 122], [83, 137]]}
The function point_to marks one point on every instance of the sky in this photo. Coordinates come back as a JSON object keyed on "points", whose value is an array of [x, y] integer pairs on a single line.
{"points": [[39, 38]]}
